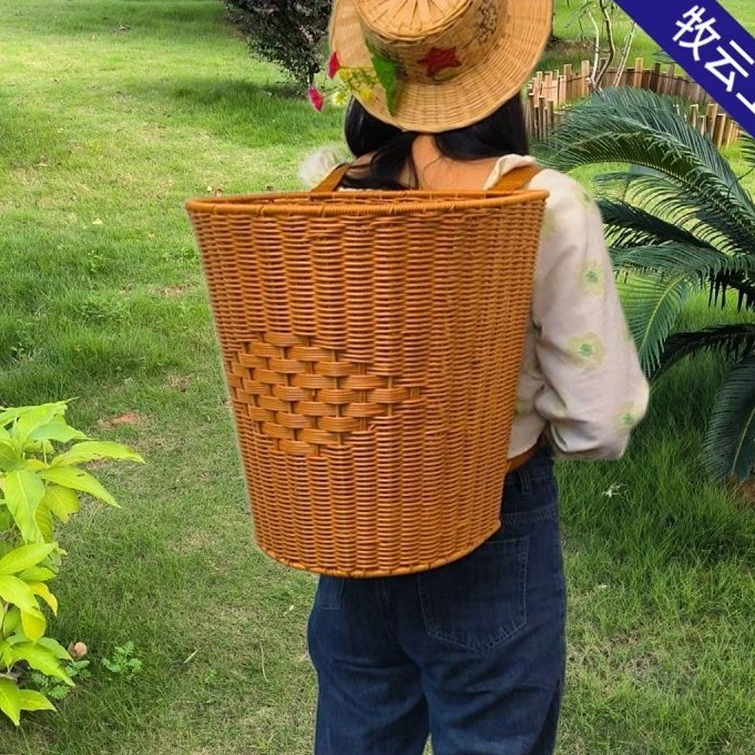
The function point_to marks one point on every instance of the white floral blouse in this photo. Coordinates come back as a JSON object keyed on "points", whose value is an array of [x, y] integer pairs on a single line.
{"points": [[581, 380]]}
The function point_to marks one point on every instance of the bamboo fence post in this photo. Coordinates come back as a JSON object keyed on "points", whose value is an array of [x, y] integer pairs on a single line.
{"points": [[639, 65], [585, 78]]}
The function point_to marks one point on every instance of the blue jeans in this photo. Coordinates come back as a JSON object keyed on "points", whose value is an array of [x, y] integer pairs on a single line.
{"points": [[471, 654]]}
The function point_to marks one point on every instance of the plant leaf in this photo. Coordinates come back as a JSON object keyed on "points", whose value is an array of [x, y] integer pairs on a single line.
{"points": [[37, 574], [9, 456], [13, 590], [43, 591], [42, 659], [8, 415], [10, 700], [34, 625], [23, 492], [78, 479], [11, 621], [44, 521], [730, 440], [730, 341], [629, 226], [693, 186], [652, 305], [55, 647], [25, 557], [93, 450], [58, 431], [63, 502], [388, 72], [33, 700], [30, 418]]}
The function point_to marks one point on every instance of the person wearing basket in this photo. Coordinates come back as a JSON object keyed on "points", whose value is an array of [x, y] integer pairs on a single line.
{"points": [[472, 654]]}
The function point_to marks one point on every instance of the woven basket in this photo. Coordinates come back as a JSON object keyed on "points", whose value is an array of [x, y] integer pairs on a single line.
{"points": [[372, 344]]}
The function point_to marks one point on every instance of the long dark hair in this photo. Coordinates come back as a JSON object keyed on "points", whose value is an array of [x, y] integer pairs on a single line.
{"points": [[499, 134]]}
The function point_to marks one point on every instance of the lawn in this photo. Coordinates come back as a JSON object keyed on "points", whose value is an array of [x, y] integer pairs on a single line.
{"points": [[112, 113]]}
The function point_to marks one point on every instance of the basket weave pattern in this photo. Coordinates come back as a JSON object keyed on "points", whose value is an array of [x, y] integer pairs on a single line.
{"points": [[371, 344]]}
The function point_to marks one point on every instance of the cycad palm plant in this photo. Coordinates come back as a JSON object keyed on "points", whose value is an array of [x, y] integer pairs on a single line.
{"points": [[677, 220]]}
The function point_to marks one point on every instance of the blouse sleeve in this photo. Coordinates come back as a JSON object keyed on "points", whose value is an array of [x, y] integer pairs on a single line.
{"points": [[594, 390], [317, 166]]}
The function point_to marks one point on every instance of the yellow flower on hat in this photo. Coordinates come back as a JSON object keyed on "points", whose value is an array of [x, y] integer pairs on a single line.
{"points": [[340, 98]]}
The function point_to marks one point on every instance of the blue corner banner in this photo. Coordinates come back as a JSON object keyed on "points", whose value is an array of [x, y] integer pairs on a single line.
{"points": [[709, 44]]}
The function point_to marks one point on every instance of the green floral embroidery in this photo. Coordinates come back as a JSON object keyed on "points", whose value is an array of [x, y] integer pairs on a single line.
{"points": [[627, 418], [587, 351], [593, 278]]}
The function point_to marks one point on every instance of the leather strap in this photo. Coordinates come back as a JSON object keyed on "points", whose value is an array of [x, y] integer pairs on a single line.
{"points": [[522, 459], [514, 180], [332, 181], [517, 179]]}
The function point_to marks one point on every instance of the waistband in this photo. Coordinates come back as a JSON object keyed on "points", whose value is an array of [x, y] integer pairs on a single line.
{"points": [[537, 470]]}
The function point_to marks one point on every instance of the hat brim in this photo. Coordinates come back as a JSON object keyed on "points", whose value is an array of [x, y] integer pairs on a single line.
{"points": [[473, 94]]}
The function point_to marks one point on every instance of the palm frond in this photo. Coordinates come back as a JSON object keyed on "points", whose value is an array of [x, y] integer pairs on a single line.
{"points": [[652, 304], [620, 121], [730, 439], [643, 128], [731, 342], [711, 225], [742, 282], [694, 261], [629, 226]]}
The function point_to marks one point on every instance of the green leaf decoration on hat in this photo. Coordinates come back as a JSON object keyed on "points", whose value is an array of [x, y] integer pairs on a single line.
{"points": [[388, 73]]}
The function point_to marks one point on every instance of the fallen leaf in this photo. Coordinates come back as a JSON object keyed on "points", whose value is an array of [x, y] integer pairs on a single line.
{"points": [[96, 221]]}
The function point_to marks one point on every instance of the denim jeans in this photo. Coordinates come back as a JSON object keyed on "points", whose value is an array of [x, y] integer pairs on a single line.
{"points": [[471, 654]]}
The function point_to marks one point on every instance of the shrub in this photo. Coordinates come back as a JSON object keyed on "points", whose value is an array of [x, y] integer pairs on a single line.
{"points": [[286, 32], [40, 483]]}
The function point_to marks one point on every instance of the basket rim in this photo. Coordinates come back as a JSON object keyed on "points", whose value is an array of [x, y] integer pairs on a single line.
{"points": [[360, 202]]}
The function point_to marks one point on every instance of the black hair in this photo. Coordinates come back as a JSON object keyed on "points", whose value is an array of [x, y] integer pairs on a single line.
{"points": [[499, 134]]}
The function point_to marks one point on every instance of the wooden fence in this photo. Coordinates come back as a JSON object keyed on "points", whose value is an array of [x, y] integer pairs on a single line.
{"points": [[549, 94]]}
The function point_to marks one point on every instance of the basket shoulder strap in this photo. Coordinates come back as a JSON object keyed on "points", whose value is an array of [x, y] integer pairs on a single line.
{"points": [[517, 179], [332, 181], [514, 180]]}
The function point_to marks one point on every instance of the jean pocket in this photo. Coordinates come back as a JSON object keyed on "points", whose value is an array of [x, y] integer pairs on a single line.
{"points": [[480, 601], [329, 595]]}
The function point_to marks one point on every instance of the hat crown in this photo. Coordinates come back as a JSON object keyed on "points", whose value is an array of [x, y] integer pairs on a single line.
{"points": [[407, 20]]}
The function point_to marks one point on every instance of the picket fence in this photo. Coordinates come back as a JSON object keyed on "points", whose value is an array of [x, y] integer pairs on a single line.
{"points": [[550, 92]]}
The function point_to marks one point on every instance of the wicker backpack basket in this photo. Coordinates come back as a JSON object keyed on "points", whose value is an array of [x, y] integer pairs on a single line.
{"points": [[372, 344]]}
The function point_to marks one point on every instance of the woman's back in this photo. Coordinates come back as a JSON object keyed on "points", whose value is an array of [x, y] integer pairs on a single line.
{"points": [[580, 381]]}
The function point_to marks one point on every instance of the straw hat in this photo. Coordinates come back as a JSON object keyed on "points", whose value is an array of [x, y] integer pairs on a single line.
{"points": [[437, 64]]}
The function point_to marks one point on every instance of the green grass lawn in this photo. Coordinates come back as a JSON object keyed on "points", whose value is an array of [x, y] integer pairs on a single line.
{"points": [[112, 113]]}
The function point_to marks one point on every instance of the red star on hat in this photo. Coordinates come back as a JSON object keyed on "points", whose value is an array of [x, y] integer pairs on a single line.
{"points": [[437, 60]]}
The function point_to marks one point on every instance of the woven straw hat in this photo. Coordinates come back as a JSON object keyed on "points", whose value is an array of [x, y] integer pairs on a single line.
{"points": [[437, 64]]}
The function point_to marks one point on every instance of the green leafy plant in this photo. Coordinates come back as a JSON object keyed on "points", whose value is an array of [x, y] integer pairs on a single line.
{"points": [[123, 661], [41, 483], [54, 688], [678, 220]]}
